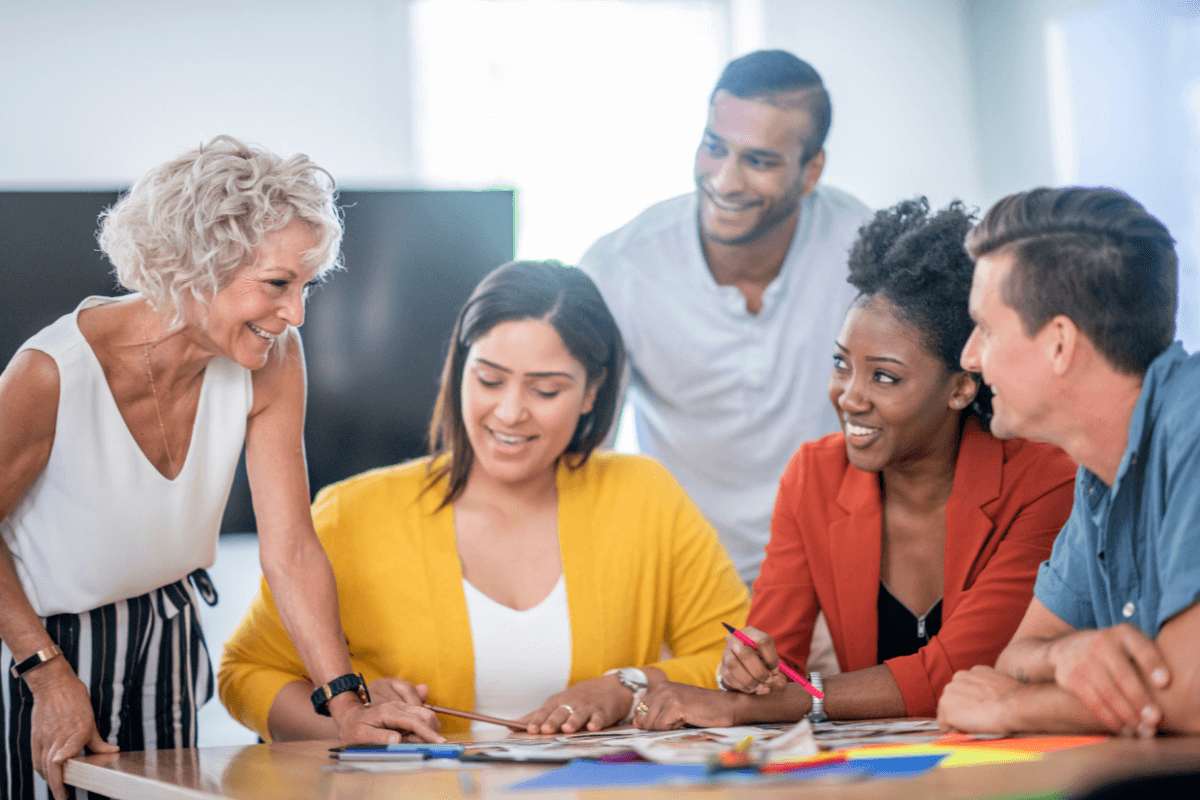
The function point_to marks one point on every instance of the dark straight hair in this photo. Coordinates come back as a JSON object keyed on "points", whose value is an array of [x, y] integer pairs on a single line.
{"points": [[1097, 257], [766, 74], [567, 300]]}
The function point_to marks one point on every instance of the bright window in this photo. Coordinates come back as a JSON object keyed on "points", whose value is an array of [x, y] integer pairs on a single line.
{"points": [[1124, 87], [591, 109]]}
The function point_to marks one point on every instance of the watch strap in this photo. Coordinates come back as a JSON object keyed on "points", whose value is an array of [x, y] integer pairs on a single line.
{"points": [[636, 681], [817, 714], [350, 682], [36, 660]]}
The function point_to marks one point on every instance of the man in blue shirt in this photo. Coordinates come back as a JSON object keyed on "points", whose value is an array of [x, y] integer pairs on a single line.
{"points": [[1074, 300]]}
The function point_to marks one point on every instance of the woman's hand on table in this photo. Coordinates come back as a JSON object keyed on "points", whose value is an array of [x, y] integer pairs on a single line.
{"points": [[745, 669], [673, 705], [63, 722], [593, 705], [396, 714]]}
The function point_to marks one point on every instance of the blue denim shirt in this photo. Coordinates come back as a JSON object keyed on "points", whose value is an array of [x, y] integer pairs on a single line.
{"points": [[1132, 553]]}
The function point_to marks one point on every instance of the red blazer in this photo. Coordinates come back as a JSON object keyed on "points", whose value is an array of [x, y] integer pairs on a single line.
{"points": [[1010, 499]]}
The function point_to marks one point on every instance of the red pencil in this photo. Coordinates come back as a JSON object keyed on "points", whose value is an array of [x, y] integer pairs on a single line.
{"points": [[791, 673]]}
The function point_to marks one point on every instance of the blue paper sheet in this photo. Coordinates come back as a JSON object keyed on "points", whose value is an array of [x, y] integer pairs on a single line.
{"points": [[589, 774]]}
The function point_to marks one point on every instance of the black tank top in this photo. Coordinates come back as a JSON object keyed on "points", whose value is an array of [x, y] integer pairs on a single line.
{"points": [[901, 632]]}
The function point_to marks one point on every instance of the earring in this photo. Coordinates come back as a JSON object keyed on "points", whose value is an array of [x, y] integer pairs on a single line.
{"points": [[956, 403]]}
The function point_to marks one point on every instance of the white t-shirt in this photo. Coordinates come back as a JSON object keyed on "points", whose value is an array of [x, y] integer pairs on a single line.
{"points": [[521, 657], [101, 523], [721, 397]]}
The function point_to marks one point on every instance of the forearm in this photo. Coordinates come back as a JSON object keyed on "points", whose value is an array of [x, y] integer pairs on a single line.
{"points": [[862, 694], [1048, 708], [1027, 660], [292, 717], [305, 592], [20, 627]]}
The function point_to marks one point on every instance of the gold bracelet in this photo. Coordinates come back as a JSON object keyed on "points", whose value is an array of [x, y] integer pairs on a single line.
{"points": [[35, 660]]}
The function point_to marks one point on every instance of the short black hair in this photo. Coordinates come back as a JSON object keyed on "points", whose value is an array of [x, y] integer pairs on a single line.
{"points": [[768, 73], [1094, 255], [916, 261], [563, 297]]}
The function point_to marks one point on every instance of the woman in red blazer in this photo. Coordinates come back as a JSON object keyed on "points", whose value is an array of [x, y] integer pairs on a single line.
{"points": [[916, 531]]}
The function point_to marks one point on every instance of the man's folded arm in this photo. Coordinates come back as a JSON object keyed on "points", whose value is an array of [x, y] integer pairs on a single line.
{"points": [[1046, 706]]}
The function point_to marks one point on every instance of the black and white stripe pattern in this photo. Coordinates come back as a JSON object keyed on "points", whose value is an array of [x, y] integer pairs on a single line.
{"points": [[147, 666]]}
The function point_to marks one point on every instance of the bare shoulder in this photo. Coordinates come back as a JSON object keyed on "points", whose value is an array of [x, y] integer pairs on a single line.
{"points": [[283, 376], [29, 385], [29, 389]]}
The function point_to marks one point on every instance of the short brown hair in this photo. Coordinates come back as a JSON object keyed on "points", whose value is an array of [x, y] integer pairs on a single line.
{"points": [[1097, 257]]}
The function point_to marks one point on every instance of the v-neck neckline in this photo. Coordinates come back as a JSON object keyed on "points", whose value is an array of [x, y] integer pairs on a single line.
{"points": [[187, 459]]}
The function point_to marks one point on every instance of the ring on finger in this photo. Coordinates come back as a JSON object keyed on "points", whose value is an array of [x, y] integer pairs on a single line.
{"points": [[567, 707], [643, 709]]}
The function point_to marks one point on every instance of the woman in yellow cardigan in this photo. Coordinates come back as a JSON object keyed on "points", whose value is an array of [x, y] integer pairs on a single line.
{"points": [[514, 572]]}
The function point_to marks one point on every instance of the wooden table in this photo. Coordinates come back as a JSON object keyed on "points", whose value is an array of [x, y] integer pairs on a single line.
{"points": [[304, 771]]}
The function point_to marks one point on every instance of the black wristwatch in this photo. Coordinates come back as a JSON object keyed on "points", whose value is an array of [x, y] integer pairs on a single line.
{"points": [[351, 682]]}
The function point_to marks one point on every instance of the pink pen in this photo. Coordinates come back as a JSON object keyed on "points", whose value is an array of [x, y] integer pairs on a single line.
{"points": [[791, 673]]}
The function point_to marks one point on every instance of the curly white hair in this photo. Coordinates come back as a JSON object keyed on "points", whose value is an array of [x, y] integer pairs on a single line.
{"points": [[187, 226]]}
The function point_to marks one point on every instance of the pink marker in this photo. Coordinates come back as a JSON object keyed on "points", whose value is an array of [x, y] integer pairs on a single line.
{"points": [[791, 673]]}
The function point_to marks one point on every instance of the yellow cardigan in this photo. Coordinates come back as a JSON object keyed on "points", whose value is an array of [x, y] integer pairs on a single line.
{"points": [[642, 567]]}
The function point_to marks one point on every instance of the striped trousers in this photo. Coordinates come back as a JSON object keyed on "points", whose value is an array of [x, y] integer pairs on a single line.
{"points": [[146, 664]]}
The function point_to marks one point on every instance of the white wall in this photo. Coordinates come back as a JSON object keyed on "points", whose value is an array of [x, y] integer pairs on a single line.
{"points": [[94, 93], [902, 107], [1006, 45]]}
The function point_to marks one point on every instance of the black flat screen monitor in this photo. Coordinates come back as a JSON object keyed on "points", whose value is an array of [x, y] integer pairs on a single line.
{"points": [[375, 335]]}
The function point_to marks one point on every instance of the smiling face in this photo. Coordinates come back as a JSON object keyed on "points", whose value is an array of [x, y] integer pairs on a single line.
{"points": [[262, 300], [522, 396], [896, 400], [749, 170], [1012, 363]]}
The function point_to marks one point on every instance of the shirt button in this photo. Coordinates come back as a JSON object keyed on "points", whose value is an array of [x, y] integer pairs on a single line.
{"points": [[1127, 610]]}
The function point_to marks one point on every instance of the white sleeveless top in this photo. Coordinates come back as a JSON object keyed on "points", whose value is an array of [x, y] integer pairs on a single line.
{"points": [[100, 523], [521, 657]]}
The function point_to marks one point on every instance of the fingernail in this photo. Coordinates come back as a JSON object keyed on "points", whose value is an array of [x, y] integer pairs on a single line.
{"points": [[1160, 677], [1151, 716]]}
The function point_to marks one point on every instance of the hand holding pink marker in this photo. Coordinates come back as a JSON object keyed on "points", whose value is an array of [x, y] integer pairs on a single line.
{"points": [[784, 668]]}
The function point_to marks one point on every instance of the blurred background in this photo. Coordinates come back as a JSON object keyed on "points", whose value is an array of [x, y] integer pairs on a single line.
{"points": [[496, 128]]}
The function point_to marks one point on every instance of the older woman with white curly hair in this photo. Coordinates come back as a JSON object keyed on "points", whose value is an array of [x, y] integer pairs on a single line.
{"points": [[122, 426]]}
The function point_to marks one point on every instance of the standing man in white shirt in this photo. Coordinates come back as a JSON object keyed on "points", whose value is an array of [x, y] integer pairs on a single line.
{"points": [[730, 297]]}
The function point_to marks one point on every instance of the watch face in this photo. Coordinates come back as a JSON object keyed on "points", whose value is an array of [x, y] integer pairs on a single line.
{"points": [[633, 679]]}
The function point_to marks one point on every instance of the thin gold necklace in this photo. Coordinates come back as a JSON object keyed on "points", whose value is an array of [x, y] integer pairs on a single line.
{"points": [[154, 392]]}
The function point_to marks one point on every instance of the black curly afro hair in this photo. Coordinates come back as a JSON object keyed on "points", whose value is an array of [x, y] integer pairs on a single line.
{"points": [[916, 260]]}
